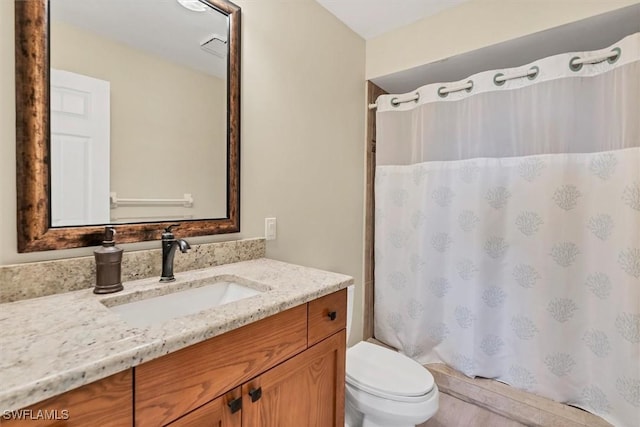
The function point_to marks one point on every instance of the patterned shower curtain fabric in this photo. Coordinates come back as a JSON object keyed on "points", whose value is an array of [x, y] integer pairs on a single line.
{"points": [[507, 230]]}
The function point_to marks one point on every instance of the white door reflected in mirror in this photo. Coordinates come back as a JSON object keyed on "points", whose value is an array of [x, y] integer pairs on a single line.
{"points": [[79, 149]]}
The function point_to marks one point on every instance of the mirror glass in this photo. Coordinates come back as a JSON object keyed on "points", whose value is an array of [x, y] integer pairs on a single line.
{"points": [[138, 121]]}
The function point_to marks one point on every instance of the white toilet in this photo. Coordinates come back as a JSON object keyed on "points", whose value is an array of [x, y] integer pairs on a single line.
{"points": [[385, 388]]}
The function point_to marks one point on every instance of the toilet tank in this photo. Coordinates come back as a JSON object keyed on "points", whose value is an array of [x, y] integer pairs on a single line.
{"points": [[350, 294]]}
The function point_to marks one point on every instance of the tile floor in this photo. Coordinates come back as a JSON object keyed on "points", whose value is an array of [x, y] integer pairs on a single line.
{"points": [[457, 413]]}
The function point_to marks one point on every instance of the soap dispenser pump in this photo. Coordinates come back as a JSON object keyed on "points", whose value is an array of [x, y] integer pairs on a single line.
{"points": [[108, 264]]}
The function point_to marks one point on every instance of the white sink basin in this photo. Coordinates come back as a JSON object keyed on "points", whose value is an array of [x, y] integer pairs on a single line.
{"points": [[159, 309]]}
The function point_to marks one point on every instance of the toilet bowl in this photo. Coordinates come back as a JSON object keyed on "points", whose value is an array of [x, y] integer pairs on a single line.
{"points": [[385, 388]]}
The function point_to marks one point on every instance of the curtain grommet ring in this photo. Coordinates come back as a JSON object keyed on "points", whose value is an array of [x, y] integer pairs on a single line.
{"points": [[442, 94], [394, 102], [469, 89], [534, 75], [417, 97], [575, 67], [613, 59], [495, 79]]}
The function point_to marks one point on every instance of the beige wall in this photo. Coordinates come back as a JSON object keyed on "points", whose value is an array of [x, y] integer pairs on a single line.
{"points": [[7, 136], [473, 25], [168, 124], [302, 138]]}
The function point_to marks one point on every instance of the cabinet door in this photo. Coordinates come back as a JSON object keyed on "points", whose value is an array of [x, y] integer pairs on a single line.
{"points": [[307, 390], [225, 411]]}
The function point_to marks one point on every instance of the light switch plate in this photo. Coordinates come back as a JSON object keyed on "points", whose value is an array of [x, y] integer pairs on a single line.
{"points": [[270, 228]]}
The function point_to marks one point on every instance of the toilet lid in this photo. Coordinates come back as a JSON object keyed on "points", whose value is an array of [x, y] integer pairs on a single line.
{"points": [[385, 373]]}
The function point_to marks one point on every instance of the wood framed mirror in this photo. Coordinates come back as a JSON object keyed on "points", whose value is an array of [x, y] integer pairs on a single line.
{"points": [[34, 152]]}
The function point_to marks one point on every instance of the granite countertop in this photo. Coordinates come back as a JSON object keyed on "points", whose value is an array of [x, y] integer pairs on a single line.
{"points": [[53, 344]]}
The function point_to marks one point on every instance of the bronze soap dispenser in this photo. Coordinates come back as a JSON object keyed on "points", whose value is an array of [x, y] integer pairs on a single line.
{"points": [[108, 264]]}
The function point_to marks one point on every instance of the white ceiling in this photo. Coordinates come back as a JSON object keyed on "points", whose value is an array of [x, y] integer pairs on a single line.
{"points": [[158, 27], [371, 18]]}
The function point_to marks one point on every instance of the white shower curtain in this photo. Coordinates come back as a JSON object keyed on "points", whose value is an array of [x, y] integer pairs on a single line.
{"points": [[507, 228]]}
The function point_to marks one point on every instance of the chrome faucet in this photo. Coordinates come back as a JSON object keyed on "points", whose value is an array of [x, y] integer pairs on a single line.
{"points": [[169, 245]]}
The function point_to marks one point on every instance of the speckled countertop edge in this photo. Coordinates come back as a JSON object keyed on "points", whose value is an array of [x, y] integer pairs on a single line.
{"points": [[53, 344]]}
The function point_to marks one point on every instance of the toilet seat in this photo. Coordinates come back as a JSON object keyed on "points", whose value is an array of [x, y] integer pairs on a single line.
{"points": [[384, 373]]}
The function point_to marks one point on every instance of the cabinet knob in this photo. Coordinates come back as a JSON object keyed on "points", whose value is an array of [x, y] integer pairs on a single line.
{"points": [[332, 315], [235, 405], [255, 393]]}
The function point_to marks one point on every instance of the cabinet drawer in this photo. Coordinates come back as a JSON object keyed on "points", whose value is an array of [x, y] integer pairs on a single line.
{"points": [[327, 315], [171, 386]]}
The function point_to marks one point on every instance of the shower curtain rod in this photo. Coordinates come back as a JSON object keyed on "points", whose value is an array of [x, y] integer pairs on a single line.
{"points": [[499, 79]]}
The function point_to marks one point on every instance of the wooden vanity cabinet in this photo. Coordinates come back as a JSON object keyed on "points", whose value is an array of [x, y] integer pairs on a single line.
{"points": [[288, 371], [105, 403]]}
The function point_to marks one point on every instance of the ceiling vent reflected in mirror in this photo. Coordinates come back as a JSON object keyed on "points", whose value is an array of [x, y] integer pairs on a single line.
{"points": [[215, 45], [163, 28]]}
